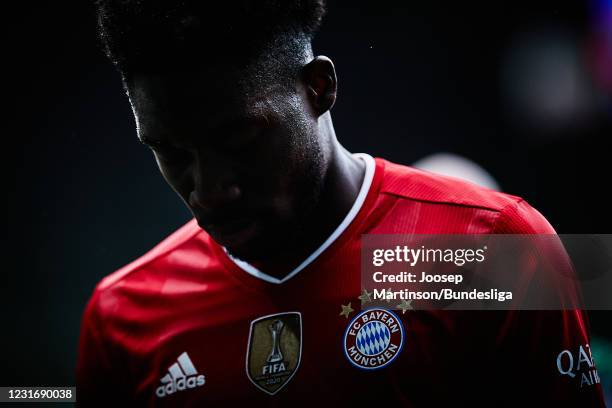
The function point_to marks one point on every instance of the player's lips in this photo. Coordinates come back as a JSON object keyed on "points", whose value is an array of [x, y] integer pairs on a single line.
{"points": [[231, 233]]}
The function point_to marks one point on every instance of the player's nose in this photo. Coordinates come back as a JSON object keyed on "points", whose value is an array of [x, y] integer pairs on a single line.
{"points": [[214, 185], [212, 199]]}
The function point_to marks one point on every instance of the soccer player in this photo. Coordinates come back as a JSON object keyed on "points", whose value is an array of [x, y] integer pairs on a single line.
{"points": [[251, 301]]}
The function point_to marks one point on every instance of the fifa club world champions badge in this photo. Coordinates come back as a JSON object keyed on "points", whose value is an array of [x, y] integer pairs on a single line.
{"points": [[373, 339], [274, 350]]}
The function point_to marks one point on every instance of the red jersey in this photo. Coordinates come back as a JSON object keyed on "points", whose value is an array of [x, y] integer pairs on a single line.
{"points": [[187, 325]]}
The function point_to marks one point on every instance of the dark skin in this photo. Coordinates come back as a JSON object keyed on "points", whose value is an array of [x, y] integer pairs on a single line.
{"points": [[258, 165]]}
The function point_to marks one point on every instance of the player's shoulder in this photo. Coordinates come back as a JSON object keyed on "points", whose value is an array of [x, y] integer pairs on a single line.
{"points": [[158, 255], [147, 274], [512, 213], [416, 184]]}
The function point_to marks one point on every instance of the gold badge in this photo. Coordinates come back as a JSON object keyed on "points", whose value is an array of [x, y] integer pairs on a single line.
{"points": [[274, 350]]}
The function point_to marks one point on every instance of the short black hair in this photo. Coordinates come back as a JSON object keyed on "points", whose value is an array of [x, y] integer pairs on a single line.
{"points": [[172, 35]]}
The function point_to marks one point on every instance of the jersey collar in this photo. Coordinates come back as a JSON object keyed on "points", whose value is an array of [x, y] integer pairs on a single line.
{"points": [[350, 216]]}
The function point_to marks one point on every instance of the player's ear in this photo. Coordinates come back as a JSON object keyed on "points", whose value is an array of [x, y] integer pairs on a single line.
{"points": [[319, 77]]}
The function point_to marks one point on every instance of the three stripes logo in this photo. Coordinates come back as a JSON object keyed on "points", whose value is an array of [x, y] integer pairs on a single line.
{"points": [[181, 376]]}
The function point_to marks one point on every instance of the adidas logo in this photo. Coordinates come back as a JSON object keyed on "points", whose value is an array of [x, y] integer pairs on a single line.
{"points": [[181, 376]]}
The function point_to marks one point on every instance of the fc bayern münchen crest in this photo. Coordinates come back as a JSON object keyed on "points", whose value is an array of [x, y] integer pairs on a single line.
{"points": [[274, 350], [373, 339]]}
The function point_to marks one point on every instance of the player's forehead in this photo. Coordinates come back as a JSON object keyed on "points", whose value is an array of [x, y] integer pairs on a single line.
{"points": [[203, 92], [191, 101]]}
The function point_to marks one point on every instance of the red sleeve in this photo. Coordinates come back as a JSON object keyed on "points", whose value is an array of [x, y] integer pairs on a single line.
{"points": [[521, 218], [544, 355], [98, 374]]}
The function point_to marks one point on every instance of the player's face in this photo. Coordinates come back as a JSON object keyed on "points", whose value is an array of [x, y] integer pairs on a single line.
{"points": [[247, 160]]}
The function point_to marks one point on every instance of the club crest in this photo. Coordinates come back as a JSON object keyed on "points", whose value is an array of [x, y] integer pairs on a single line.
{"points": [[373, 339], [274, 350]]}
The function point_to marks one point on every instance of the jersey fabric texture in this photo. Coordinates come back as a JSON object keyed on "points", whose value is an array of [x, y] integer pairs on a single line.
{"points": [[187, 325]]}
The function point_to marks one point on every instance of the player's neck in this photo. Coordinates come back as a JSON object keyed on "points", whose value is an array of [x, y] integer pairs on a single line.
{"points": [[343, 181]]}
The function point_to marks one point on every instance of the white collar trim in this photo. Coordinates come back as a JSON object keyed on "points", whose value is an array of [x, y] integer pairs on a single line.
{"points": [[363, 192]]}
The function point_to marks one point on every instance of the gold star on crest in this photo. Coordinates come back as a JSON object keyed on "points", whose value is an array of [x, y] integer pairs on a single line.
{"points": [[365, 297], [405, 306], [346, 310]]}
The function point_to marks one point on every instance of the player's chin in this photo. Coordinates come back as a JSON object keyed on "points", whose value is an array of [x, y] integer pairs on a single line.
{"points": [[256, 249], [236, 237]]}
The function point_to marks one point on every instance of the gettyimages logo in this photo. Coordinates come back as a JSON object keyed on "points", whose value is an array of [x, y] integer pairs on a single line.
{"points": [[579, 365], [181, 376]]}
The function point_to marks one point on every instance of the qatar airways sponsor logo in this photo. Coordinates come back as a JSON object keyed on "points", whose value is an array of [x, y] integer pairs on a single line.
{"points": [[578, 365], [181, 376]]}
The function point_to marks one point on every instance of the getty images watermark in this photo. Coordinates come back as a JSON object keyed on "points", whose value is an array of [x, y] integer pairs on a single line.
{"points": [[489, 272]]}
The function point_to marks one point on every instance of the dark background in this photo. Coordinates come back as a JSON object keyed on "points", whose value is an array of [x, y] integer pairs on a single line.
{"points": [[518, 87]]}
